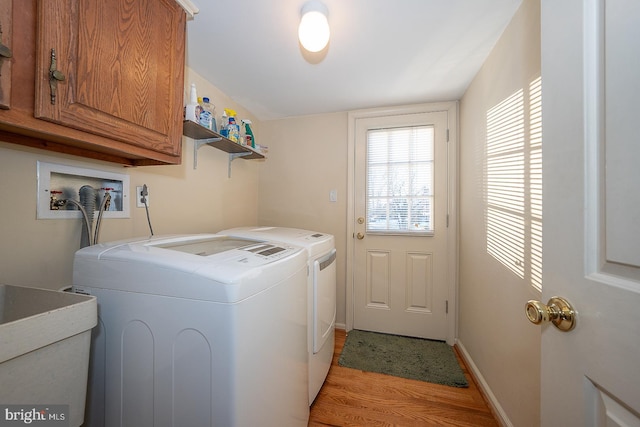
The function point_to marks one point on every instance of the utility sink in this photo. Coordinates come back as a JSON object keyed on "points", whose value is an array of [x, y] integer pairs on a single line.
{"points": [[45, 337]]}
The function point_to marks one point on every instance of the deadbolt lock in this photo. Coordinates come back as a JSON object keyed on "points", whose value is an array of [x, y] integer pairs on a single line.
{"points": [[558, 311], [361, 220]]}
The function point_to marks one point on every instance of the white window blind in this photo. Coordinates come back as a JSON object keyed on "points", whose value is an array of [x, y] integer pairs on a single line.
{"points": [[399, 196]]}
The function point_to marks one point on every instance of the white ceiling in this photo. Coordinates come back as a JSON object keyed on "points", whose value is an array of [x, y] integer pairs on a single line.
{"points": [[381, 52]]}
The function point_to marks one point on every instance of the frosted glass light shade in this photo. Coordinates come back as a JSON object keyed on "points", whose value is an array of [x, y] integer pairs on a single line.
{"points": [[313, 31]]}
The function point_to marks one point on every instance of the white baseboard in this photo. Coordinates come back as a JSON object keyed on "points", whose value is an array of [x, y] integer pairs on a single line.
{"points": [[340, 326], [495, 405]]}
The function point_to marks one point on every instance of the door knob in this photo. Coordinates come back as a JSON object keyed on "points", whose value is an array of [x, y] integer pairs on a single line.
{"points": [[557, 311], [360, 236]]}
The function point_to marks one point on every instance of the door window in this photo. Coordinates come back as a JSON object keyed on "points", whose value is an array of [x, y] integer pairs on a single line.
{"points": [[399, 180]]}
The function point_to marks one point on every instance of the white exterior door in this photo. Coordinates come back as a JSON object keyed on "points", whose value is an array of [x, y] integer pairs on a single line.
{"points": [[400, 233], [591, 250]]}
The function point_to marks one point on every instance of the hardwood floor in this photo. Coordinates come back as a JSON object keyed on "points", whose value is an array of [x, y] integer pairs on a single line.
{"points": [[351, 397]]}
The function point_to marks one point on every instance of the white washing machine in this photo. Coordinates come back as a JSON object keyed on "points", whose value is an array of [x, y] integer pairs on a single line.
{"points": [[195, 331], [322, 292]]}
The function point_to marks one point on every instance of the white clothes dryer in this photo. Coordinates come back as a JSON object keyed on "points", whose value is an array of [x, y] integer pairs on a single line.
{"points": [[195, 331], [321, 296]]}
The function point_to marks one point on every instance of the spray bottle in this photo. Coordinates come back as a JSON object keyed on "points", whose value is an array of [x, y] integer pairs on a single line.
{"points": [[250, 140]]}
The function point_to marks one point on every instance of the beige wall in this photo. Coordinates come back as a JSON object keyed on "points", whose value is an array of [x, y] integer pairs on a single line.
{"points": [[492, 326], [183, 200], [307, 159]]}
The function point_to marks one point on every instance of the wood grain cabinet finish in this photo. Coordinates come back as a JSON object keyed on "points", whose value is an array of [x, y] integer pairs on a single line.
{"points": [[5, 53], [119, 68]]}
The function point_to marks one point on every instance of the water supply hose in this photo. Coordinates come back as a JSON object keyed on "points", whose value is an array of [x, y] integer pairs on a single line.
{"points": [[84, 216], [88, 201], [106, 201]]}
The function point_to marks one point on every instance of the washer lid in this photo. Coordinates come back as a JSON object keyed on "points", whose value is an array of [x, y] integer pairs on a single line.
{"points": [[206, 267]]}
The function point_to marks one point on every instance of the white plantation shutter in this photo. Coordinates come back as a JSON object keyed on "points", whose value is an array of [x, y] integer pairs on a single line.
{"points": [[399, 196]]}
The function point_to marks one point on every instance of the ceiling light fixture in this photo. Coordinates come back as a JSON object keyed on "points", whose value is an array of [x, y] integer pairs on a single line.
{"points": [[313, 31]]}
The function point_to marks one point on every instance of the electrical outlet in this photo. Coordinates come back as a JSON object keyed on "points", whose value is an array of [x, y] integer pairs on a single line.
{"points": [[140, 197]]}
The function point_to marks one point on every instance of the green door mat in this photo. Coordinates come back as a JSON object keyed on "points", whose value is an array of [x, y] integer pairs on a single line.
{"points": [[412, 358]]}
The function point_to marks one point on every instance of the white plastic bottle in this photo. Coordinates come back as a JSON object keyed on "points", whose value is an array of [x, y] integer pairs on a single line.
{"points": [[224, 123], [192, 110]]}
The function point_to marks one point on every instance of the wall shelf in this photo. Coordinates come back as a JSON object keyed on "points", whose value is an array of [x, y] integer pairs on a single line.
{"points": [[203, 136]]}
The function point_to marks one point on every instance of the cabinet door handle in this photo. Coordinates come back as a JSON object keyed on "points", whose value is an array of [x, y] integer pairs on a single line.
{"points": [[5, 52], [55, 76]]}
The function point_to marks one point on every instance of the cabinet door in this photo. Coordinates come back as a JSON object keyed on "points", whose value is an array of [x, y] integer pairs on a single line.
{"points": [[5, 53], [122, 64]]}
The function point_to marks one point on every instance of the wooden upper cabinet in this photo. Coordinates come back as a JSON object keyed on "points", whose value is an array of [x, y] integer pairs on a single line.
{"points": [[109, 79], [5, 53]]}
